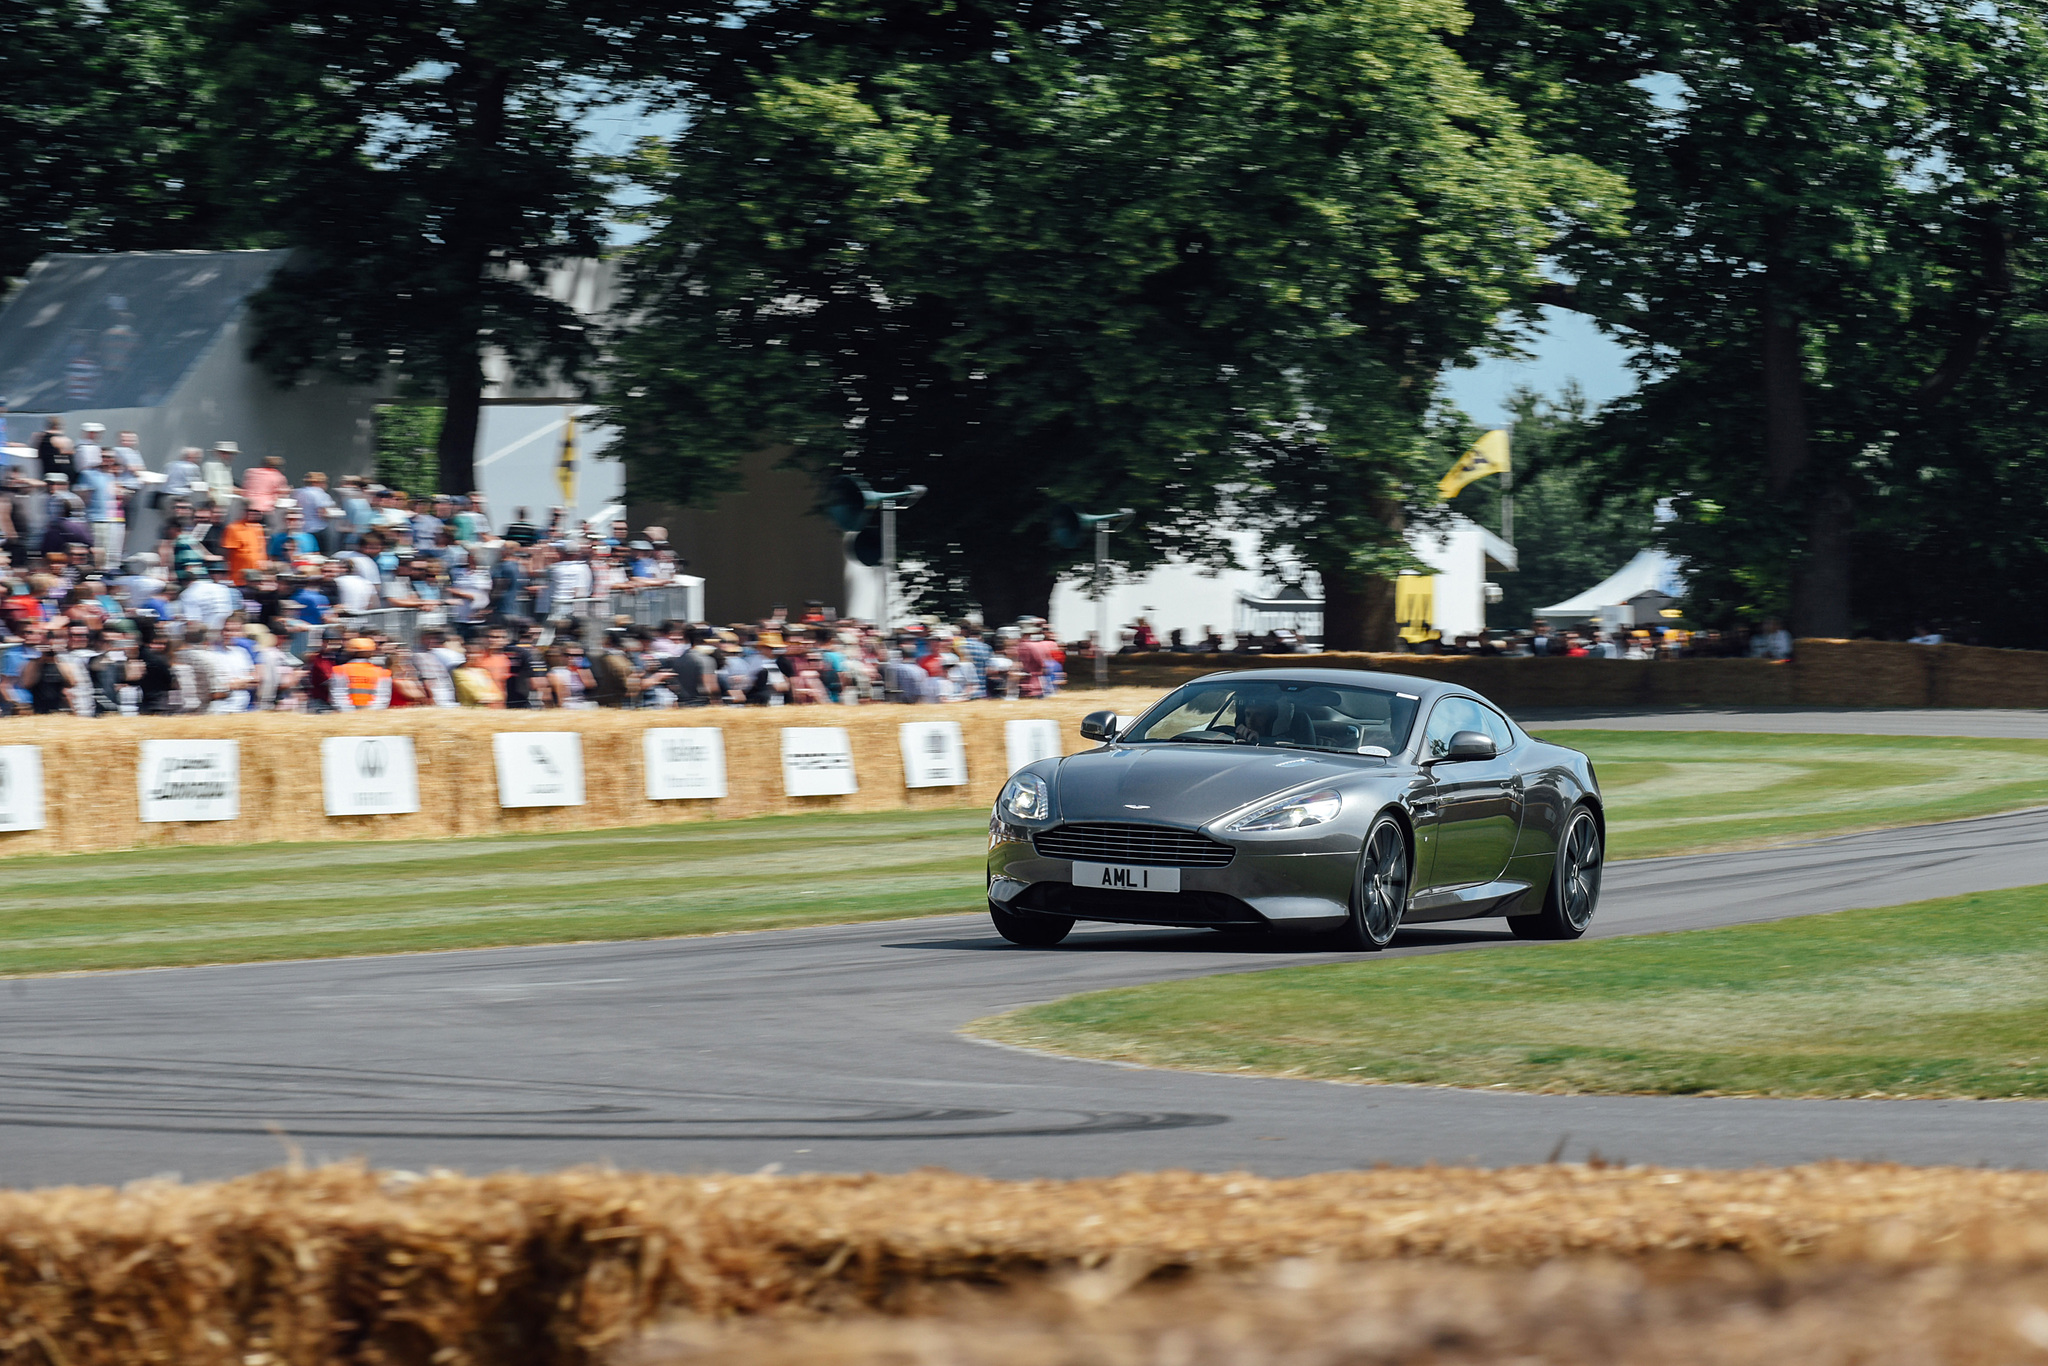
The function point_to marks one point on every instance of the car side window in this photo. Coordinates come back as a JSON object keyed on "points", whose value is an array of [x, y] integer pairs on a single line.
{"points": [[1497, 726], [1452, 715]]}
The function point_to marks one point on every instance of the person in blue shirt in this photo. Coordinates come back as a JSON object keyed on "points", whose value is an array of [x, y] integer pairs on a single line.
{"points": [[313, 606], [294, 540]]}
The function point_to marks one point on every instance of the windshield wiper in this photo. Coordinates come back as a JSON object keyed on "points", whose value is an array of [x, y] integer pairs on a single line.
{"points": [[1201, 737]]}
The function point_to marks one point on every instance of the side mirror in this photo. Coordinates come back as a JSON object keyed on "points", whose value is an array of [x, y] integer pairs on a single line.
{"points": [[1099, 725], [1466, 746]]}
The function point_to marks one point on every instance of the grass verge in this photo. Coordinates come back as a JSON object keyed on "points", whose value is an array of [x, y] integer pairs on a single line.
{"points": [[1667, 793], [1941, 998], [1673, 792], [166, 908]]}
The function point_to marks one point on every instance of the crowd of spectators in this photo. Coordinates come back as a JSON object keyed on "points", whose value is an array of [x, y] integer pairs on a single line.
{"points": [[237, 594]]}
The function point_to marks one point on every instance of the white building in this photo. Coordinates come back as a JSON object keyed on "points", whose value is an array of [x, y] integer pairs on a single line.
{"points": [[156, 342], [1465, 556]]}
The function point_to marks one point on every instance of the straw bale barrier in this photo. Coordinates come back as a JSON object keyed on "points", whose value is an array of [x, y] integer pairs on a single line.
{"points": [[91, 802], [341, 1264], [1681, 1312], [1822, 673]]}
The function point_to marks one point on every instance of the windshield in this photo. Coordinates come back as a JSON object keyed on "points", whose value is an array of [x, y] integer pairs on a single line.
{"points": [[1294, 715]]}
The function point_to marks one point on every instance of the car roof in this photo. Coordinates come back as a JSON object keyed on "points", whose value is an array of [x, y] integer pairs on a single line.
{"points": [[1427, 688]]}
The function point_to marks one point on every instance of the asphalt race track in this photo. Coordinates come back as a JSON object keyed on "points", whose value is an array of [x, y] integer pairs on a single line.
{"points": [[834, 1049]]}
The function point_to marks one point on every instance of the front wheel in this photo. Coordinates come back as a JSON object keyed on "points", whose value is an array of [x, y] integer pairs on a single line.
{"points": [[1379, 895], [1030, 930], [1574, 891]]}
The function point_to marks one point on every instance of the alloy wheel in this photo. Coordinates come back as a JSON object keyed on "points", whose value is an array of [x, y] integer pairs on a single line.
{"points": [[1581, 891], [1383, 883]]}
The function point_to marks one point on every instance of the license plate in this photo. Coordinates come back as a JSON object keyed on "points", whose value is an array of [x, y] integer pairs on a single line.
{"points": [[1124, 877]]}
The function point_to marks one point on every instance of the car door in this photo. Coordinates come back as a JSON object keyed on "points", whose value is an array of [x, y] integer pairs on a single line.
{"points": [[1475, 806]]}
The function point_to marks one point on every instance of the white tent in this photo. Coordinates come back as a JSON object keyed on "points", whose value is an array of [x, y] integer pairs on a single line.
{"points": [[1651, 571]]}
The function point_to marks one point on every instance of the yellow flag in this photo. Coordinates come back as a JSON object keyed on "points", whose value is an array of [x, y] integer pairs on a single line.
{"points": [[1489, 455], [565, 470], [1415, 606]]}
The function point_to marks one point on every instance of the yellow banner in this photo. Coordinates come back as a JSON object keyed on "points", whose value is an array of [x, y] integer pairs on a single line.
{"points": [[1415, 606], [1489, 455], [565, 470]]}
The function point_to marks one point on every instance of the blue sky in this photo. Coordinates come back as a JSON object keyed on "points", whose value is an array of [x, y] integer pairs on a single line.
{"points": [[1569, 348]]}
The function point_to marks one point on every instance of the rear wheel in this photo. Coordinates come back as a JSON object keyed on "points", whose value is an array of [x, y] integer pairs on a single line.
{"points": [[1379, 894], [1574, 891], [1028, 928]]}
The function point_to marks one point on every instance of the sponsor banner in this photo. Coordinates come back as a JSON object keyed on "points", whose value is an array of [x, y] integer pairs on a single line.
{"points": [[369, 775], [190, 780], [21, 787], [817, 761], [1026, 742], [684, 762], [539, 767], [934, 754]]}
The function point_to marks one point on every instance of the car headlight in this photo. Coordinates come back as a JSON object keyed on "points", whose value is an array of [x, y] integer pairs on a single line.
{"points": [[1026, 797], [1292, 813]]}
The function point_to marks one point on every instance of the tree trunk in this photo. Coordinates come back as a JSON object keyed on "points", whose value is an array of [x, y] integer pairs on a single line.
{"points": [[1358, 610], [1009, 591], [1787, 445], [476, 218], [1820, 587], [460, 419]]}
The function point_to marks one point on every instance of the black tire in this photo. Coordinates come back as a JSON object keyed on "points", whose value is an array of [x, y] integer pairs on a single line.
{"points": [[1032, 930], [1574, 891], [1379, 890]]}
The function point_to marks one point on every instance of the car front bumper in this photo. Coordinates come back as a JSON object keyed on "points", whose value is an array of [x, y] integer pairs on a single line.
{"points": [[1279, 890]]}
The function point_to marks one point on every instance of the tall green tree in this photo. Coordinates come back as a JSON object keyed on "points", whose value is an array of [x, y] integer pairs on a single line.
{"points": [[103, 123], [1205, 262], [425, 157], [1837, 208]]}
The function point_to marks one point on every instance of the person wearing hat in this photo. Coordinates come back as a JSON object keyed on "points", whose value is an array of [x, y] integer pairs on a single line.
{"points": [[90, 451], [209, 599], [218, 474], [361, 684]]}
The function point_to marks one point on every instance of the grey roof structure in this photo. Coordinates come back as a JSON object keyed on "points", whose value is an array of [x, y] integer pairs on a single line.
{"points": [[122, 330]]}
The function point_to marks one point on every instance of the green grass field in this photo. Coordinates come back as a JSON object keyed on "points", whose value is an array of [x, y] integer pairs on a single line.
{"points": [[1942, 998], [1671, 792], [157, 908], [1668, 793]]}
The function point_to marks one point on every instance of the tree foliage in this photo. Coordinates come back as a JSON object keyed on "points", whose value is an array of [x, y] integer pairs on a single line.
{"points": [[1202, 261], [1834, 243]]}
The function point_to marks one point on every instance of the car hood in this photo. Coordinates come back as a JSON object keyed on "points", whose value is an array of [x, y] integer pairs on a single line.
{"points": [[1189, 785]]}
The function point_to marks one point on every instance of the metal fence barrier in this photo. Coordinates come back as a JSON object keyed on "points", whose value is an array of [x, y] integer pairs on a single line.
{"points": [[592, 616]]}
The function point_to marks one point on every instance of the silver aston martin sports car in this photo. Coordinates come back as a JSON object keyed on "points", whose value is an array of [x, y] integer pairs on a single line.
{"points": [[1321, 800]]}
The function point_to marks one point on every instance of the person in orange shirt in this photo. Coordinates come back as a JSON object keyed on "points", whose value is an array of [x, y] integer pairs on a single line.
{"points": [[360, 684], [246, 544]]}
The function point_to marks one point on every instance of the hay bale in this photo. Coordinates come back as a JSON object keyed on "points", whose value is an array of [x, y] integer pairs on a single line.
{"points": [[340, 1264], [92, 804], [1861, 673], [1970, 676]]}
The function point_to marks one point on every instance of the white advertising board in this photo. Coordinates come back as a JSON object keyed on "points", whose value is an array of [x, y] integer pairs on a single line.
{"points": [[1026, 742], [21, 787], [684, 762], [190, 780], [369, 775], [934, 754], [817, 761], [539, 767]]}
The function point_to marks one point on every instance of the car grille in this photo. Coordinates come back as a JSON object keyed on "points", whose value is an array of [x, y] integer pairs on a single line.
{"points": [[1111, 842], [1138, 908]]}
